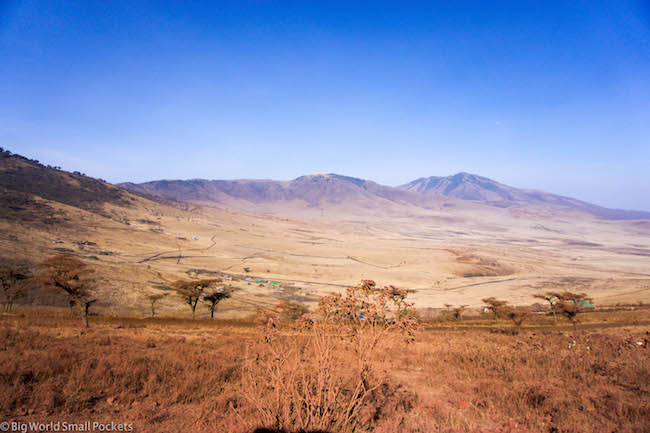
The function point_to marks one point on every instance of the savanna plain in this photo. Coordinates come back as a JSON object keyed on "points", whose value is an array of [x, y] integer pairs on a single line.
{"points": [[341, 315]]}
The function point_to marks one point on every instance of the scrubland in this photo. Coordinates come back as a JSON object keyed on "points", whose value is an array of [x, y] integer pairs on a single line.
{"points": [[171, 375]]}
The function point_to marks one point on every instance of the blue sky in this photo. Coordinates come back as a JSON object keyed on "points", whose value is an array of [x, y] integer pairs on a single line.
{"points": [[547, 95]]}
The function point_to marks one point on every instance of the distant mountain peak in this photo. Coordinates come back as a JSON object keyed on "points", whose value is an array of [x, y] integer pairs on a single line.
{"points": [[329, 177]]}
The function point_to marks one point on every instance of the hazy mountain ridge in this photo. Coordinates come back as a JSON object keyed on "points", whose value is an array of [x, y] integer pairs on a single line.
{"points": [[329, 189]]}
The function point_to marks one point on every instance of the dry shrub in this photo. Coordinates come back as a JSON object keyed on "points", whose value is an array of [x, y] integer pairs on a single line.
{"points": [[321, 374]]}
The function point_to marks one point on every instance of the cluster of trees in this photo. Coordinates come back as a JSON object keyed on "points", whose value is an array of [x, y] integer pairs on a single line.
{"points": [[566, 303], [205, 290], [68, 274], [501, 309]]}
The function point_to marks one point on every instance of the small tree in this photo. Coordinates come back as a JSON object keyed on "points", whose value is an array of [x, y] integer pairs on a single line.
{"points": [[153, 298], [72, 276], [192, 290], [12, 281], [569, 305], [494, 305], [570, 310], [458, 312], [517, 315], [215, 297], [552, 298]]}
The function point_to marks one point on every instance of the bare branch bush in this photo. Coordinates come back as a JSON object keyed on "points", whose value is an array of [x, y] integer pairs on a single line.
{"points": [[319, 373]]}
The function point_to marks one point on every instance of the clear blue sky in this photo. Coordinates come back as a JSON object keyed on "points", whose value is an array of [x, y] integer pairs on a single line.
{"points": [[542, 94]]}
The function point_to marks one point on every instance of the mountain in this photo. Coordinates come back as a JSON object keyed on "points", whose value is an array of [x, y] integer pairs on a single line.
{"points": [[328, 189], [312, 190], [466, 186]]}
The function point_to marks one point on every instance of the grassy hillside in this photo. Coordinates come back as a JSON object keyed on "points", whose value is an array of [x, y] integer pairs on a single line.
{"points": [[21, 175]]}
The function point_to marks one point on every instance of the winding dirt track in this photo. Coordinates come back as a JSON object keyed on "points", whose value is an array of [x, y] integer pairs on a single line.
{"points": [[180, 255]]}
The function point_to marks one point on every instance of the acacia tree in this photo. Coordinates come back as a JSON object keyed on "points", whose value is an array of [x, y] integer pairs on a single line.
{"points": [[213, 299], [494, 305], [576, 298], [570, 311], [72, 276], [458, 312], [517, 315], [153, 298], [192, 290], [569, 305], [12, 281], [552, 298]]}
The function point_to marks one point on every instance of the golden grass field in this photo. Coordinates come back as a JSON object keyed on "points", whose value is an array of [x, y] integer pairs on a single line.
{"points": [[170, 375]]}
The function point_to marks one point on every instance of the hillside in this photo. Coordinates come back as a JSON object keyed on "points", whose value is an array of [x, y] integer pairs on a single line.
{"points": [[352, 194], [22, 181]]}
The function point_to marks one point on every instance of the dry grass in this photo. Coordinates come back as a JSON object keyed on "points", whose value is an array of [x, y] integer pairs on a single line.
{"points": [[172, 375]]}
